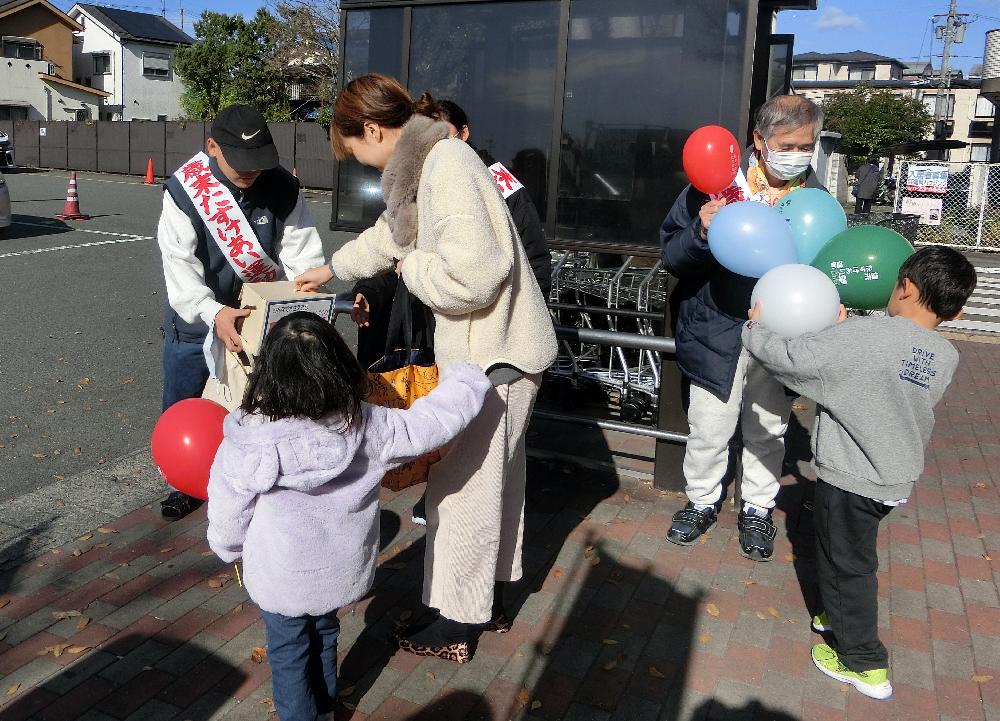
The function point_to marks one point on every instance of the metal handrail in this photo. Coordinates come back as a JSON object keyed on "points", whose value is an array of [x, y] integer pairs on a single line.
{"points": [[636, 341]]}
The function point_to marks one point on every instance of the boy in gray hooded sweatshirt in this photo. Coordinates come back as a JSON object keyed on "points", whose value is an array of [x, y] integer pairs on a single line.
{"points": [[875, 382]]}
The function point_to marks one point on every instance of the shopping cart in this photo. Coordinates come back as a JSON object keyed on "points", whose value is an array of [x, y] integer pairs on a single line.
{"points": [[632, 378]]}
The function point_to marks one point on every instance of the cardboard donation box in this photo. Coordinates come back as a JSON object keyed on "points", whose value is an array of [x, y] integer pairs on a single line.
{"points": [[270, 303]]}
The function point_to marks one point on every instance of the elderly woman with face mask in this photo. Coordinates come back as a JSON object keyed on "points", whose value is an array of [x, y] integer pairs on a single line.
{"points": [[729, 390]]}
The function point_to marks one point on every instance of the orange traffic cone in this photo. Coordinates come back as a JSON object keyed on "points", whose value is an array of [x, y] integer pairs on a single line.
{"points": [[150, 180], [71, 211]]}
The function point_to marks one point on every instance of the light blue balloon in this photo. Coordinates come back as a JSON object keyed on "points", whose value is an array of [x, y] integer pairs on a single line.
{"points": [[814, 217], [750, 238]]}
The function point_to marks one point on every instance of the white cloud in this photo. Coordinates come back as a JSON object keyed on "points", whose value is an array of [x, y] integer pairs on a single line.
{"points": [[834, 18]]}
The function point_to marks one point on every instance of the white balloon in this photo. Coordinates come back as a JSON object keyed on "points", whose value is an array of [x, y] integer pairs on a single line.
{"points": [[796, 299]]}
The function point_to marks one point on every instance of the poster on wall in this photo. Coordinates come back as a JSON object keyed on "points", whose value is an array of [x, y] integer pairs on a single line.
{"points": [[927, 178], [929, 209]]}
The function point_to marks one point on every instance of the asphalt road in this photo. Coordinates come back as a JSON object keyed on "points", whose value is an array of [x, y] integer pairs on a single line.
{"points": [[80, 310]]}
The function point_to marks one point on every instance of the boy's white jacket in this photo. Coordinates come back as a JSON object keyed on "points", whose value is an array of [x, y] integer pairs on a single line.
{"points": [[875, 382], [297, 499], [461, 255]]}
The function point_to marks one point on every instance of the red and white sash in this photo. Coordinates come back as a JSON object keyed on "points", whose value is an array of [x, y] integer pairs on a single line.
{"points": [[226, 222], [505, 180]]}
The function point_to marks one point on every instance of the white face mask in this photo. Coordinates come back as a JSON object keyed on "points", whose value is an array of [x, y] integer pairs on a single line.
{"points": [[787, 165]]}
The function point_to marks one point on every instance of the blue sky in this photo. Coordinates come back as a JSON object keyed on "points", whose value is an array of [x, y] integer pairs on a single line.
{"points": [[898, 28]]}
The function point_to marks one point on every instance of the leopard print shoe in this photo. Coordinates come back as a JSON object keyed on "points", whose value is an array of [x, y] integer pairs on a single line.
{"points": [[459, 652]]}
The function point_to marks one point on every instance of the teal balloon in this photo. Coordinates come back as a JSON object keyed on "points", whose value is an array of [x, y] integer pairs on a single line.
{"points": [[863, 262], [814, 217]]}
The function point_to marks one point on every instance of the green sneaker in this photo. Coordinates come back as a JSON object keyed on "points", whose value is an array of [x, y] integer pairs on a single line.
{"points": [[820, 622], [874, 683]]}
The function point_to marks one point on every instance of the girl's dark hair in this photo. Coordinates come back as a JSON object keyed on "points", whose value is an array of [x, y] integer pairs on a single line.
{"points": [[306, 369], [371, 98], [451, 113]]}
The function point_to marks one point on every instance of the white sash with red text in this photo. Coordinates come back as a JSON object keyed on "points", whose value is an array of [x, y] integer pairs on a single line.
{"points": [[226, 222], [505, 180], [739, 190]]}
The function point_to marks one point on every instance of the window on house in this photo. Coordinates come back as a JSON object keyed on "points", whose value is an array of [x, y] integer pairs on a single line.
{"points": [[102, 63], [155, 65], [862, 74], [805, 72], [22, 48], [946, 102], [979, 153], [984, 108]]}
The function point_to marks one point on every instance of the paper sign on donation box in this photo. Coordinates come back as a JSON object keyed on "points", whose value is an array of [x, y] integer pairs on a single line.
{"points": [[270, 303]]}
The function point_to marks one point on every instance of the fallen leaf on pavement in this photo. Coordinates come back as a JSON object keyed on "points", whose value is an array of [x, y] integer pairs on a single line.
{"points": [[345, 692], [217, 582], [610, 642], [85, 537], [535, 705], [789, 557], [523, 697], [82, 623], [431, 676], [60, 402], [104, 530], [78, 649], [987, 556], [168, 549], [547, 650], [656, 673], [982, 679], [65, 614], [704, 638], [83, 381], [627, 498], [773, 611], [101, 461], [712, 610], [208, 553], [38, 455], [980, 485], [112, 576], [258, 654], [595, 560], [610, 665], [13, 689], [101, 545], [77, 450], [57, 650], [4, 602], [748, 582], [557, 573], [127, 381]]}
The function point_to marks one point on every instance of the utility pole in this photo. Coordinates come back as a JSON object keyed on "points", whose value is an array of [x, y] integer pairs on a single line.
{"points": [[941, 108], [181, 3]]}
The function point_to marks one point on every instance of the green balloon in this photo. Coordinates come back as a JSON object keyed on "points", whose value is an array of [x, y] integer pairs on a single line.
{"points": [[863, 262]]}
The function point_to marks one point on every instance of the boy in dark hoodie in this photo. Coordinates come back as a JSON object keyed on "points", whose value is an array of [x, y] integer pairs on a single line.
{"points": [[875, 382]]}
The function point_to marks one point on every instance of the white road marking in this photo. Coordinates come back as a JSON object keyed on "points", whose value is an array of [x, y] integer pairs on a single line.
{"points": [[117, 238]]}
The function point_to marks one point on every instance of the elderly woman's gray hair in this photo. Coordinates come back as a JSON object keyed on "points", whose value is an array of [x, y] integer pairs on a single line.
{"points": [[788, 112]]}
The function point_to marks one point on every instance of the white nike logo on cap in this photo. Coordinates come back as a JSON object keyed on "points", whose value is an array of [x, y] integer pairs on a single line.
{"points": [[249, 137]]}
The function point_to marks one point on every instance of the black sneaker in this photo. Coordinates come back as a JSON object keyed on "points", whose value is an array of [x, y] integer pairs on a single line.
{"points": [[756, 536], [177, 505], [689, 523], [420, 511]]}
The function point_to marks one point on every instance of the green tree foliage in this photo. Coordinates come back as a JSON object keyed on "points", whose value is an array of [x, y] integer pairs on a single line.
{"points": [[232, 63], [869, 119]]}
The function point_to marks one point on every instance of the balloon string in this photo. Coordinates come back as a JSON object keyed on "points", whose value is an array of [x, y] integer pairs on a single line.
{"points": [[236, 567]]}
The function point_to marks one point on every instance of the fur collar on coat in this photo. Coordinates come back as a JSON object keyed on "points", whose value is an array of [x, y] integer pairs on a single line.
{"points": [[401, 176]]}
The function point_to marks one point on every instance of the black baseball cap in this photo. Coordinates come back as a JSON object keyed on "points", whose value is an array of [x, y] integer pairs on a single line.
{"points": [[241, 132]]}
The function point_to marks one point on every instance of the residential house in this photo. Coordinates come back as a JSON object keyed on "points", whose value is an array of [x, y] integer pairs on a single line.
{"points": [[131, 56], [36, 71], [968, 115]]}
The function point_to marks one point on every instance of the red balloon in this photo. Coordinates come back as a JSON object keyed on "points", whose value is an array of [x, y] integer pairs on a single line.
{"points": [[711, 159], [185, 441]]}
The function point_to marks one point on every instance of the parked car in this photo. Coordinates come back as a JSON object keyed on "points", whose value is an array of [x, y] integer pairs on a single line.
{"points": [[5, 215], [6, 151]]}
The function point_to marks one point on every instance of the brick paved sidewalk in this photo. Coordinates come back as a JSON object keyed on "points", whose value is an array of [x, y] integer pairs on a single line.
{"points": [[137, 621]]}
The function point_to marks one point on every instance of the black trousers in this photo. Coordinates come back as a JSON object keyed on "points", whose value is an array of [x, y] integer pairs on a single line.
{"points": [[846, 561], [863, 205]]}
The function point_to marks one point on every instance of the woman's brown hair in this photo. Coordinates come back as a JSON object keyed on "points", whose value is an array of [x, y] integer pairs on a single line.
{"points": [[377, 99]]}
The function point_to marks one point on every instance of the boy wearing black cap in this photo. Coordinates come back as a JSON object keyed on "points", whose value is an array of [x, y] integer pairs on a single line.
{"points": [[229, 217]]}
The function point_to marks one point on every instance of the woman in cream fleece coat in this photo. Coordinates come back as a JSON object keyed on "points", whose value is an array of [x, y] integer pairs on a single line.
{"points": [[447, 232]]}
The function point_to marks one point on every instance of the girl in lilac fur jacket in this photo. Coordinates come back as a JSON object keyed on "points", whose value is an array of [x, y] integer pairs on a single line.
{"points": [[294, 490]]}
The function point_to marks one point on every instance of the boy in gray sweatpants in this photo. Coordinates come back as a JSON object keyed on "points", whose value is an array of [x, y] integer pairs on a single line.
{"points": [[875, 382]]}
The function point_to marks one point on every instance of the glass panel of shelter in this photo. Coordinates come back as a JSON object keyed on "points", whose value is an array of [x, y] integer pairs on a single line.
{"points": [[641, 76], [373, 44]]}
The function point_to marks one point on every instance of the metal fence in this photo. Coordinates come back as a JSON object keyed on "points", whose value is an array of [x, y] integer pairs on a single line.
{"points": [[957, 203], [127, 147]]}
